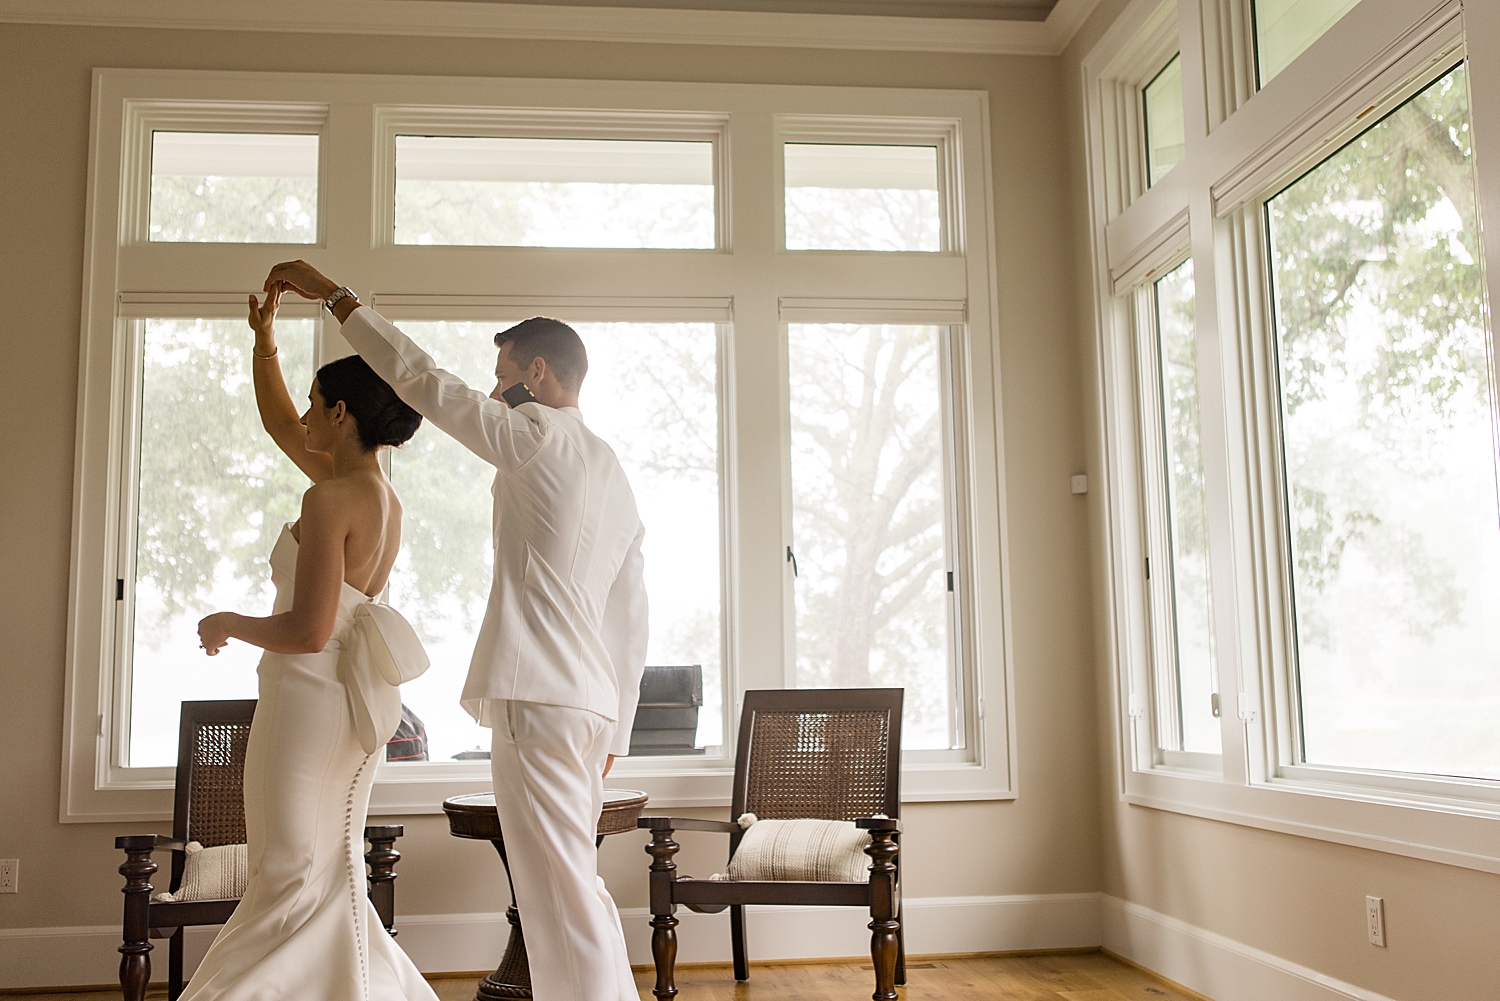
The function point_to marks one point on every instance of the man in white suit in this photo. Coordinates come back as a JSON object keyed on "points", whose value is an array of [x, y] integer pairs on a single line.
{"points": [[557, 667]]}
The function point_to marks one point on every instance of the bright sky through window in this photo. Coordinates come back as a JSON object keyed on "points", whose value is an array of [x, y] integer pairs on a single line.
{"points": [[233, 187], [490, 191], [848, 197], [1389, 418]]}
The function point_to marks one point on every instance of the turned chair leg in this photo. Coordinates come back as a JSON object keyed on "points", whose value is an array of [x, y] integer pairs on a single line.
{"points": [[382, 858], [661, 848], [135, 949], [885, 939]]}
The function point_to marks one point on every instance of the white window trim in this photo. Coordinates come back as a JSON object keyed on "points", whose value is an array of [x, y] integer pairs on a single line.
{"points": [[1243, 147], [763, 289]]}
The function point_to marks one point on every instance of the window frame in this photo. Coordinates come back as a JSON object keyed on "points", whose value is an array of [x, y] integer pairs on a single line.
{"points": [[749, 284], [1243, 146]]}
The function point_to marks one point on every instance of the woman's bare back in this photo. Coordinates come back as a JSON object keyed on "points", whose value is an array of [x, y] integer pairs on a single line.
{"points": [[374, 528]]}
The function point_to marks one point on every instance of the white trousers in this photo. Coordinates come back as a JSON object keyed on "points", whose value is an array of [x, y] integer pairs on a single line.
{"points": [[547, 763]]}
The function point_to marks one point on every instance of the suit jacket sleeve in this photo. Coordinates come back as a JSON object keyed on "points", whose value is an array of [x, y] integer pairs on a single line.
{"points": [[624, 633], [502, 436]]}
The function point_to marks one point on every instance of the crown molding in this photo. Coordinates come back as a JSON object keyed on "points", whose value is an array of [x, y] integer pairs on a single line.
{"points": [[450, 19]]}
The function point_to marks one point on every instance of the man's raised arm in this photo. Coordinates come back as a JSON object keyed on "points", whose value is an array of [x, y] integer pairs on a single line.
{"points": [[488, 428]]}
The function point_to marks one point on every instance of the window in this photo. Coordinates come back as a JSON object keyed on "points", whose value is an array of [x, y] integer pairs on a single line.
{"points": [[233, 187], [1187, 703], [847, 197], [495, 191], [1388, 419], [210, 498], [1285, 28], [1299, 408], [1166, 137], [481, 203], [652, 394], [871, 522]]}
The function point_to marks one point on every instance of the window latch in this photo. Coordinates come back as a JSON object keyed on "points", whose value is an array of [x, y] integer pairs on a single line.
{"points": [[791, 558]]}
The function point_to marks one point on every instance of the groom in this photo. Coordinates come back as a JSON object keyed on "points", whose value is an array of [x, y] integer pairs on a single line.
{"points": [[557, 667]]}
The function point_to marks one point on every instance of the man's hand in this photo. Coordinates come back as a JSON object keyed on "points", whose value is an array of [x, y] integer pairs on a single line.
{"points": [[608, 764], [302, 278]]}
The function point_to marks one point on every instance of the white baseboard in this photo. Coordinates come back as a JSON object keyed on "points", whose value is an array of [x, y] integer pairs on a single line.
{"points": [[441, 943], [1211, 964]]}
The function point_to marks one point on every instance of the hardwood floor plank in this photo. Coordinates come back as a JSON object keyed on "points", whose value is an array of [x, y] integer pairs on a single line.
{"points": [[1073, 976]]}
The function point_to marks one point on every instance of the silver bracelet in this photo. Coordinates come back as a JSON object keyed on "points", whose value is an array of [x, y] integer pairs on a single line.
{"points": [[266, 357]]}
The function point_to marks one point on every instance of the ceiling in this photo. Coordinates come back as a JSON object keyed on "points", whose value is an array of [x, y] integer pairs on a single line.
{"points": [[987, 10]]}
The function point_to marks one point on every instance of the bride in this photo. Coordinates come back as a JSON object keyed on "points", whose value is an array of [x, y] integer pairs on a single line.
{"points": [[304, 927]]}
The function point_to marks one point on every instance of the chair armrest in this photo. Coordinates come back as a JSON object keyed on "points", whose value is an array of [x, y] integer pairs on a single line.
{"points": [[149, 843], [878, 824], [385, 832], [685, 824]]}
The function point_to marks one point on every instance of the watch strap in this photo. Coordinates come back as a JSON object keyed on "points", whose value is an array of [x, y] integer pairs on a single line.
{"points": [[338, 295]]}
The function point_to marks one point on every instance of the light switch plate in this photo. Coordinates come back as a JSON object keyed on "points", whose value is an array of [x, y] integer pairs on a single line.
{"points": [[1080, 484]]}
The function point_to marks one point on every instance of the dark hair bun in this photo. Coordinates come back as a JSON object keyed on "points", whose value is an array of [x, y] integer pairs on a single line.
{"points": [[380, 416], [396, 424]]}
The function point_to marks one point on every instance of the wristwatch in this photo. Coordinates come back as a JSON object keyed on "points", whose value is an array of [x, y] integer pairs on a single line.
{"points": [[339, 294]]}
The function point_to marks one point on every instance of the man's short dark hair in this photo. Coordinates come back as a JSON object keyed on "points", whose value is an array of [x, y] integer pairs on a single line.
{"points": [[552, 340]]}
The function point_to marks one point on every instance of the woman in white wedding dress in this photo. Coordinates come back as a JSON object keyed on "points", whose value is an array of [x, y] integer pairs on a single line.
{"points": [[305, 928]]}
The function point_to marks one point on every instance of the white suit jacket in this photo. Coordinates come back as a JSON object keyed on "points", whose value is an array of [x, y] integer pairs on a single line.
{"points": [[566, 621]]}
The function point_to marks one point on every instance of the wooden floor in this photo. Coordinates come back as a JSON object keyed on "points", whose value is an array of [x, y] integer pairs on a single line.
{"points": [[1090, 976]]}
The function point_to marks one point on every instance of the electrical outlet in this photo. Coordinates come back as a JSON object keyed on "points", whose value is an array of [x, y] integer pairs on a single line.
{"points": [[10, 874], [1375, 920]]}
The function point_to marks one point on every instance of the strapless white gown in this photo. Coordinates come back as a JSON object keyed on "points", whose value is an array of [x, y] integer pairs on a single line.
{"points": [[305, 928]]}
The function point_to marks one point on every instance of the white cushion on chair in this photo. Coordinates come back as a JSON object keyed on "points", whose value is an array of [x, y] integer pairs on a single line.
{"points": [[217, 873], [818, 851]]}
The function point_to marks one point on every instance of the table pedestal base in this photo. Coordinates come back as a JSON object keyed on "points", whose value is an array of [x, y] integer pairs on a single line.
{"points": [[512, 978]]}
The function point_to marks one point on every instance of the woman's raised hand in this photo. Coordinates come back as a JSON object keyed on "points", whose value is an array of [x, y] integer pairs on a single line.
{"points": [[263, 321]]}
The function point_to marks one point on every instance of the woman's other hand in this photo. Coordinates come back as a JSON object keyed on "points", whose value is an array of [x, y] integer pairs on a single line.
{"points": [[263, 321], [213, 632]]}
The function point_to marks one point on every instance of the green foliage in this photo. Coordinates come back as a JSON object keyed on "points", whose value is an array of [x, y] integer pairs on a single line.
{"points": [[234, 209], [1380, 316], [213, 488]]}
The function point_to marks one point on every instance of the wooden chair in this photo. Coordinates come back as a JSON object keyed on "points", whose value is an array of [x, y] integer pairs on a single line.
{"points": [[210, 808], [831, 754]]}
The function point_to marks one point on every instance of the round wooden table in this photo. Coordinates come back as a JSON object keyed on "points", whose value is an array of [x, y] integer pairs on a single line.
{"points": [[474, 817]]}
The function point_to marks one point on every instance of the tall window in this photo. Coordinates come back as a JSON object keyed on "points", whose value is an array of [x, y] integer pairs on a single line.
{"points": [[870, 518], [210, 499], [1186, 683], [1388, 415], [652, 394]]}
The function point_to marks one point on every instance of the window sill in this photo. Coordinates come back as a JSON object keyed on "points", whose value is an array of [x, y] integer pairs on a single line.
{"points": [[1447, 829], [417, 789]]}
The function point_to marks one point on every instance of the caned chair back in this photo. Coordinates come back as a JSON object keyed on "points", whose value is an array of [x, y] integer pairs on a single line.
{"points": [[210, 802], [832, 754]]}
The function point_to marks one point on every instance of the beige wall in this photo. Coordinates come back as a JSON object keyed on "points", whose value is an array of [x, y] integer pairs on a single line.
{"points": [[1047, 841], [1296, 898]]}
